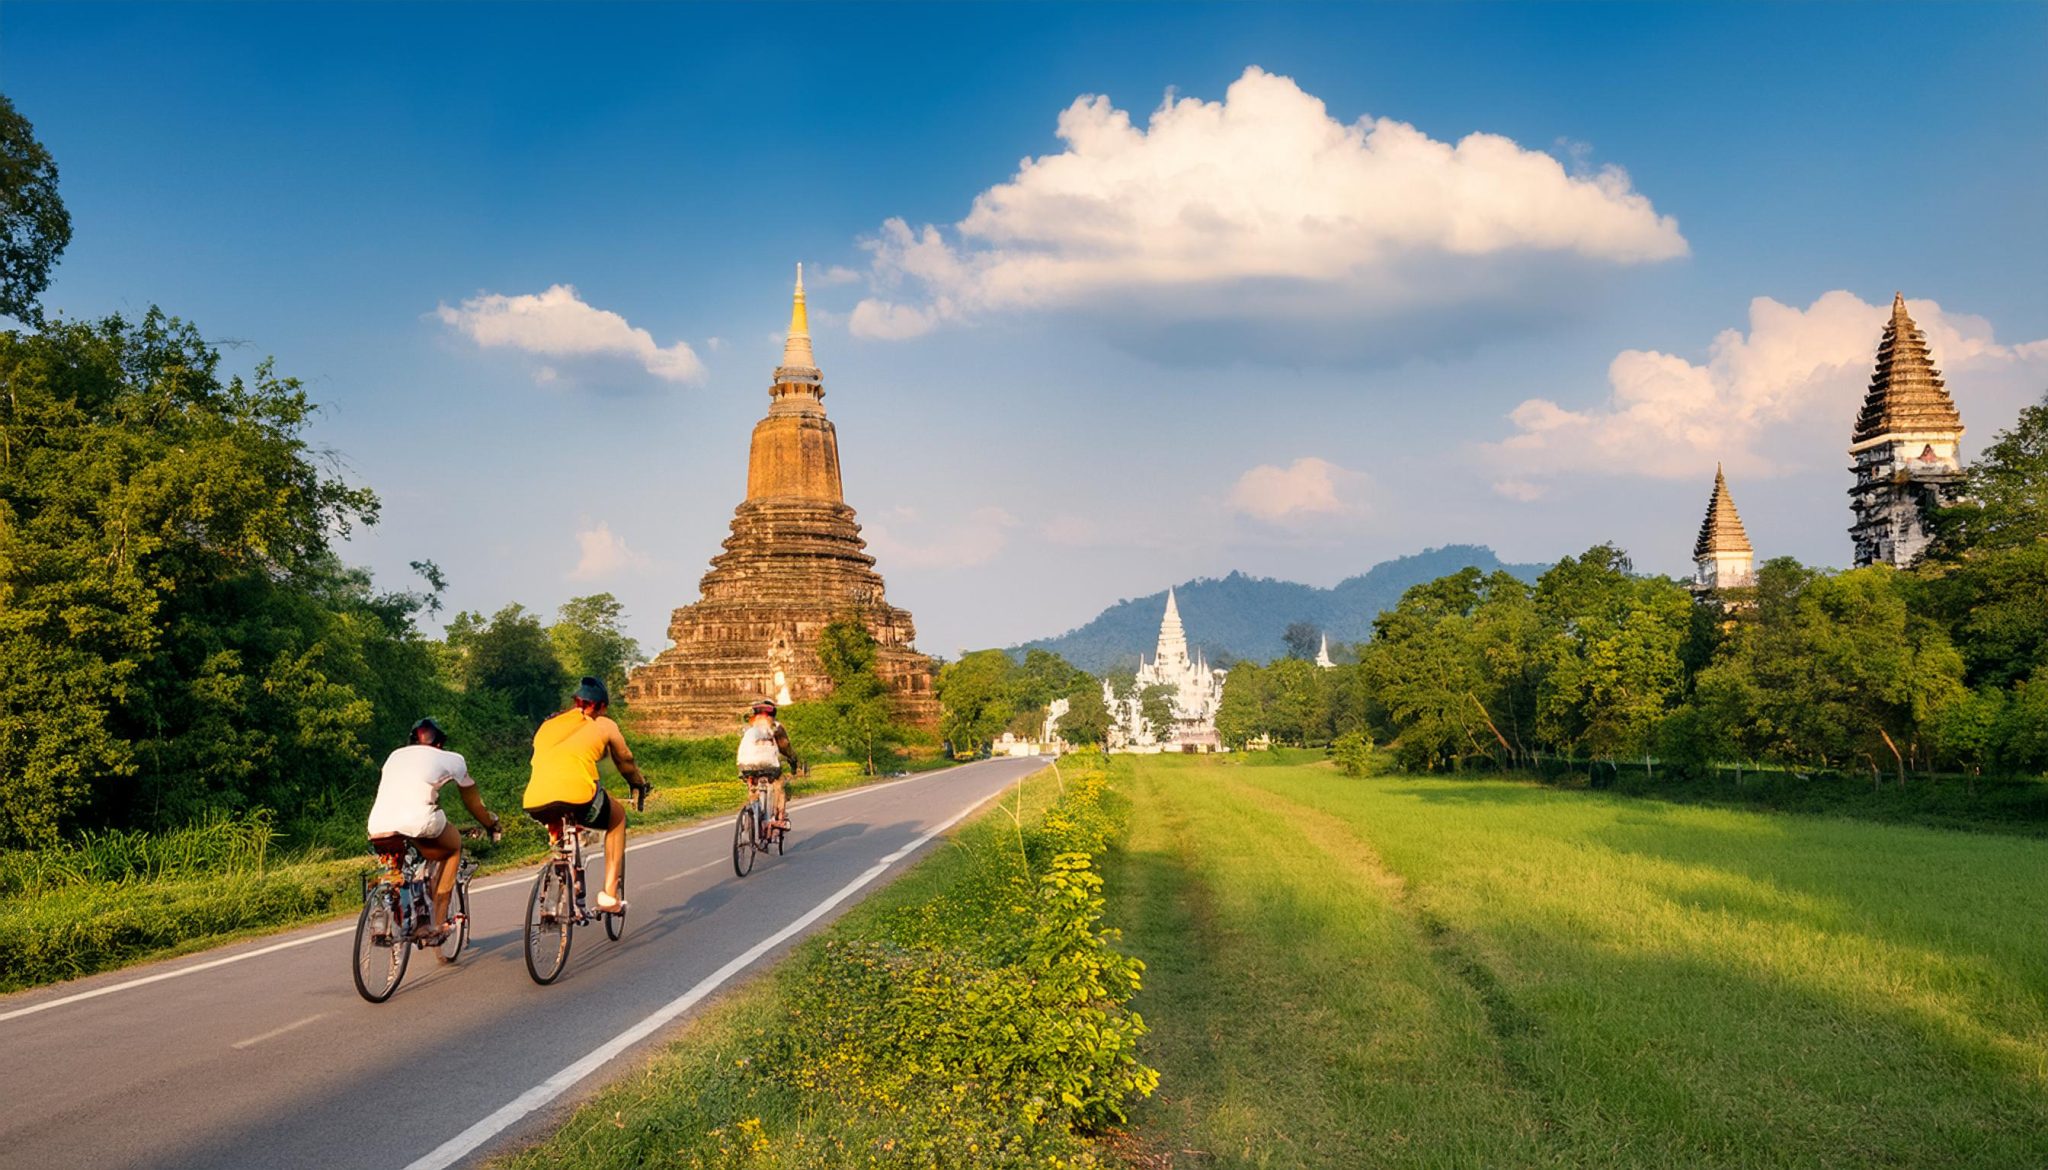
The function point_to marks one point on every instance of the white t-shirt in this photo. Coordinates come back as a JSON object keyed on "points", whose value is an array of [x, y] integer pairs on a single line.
{"points": [[409, 795]]}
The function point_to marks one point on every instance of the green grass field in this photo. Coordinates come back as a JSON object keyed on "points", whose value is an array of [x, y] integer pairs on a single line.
{"points": [[1424, 972]]}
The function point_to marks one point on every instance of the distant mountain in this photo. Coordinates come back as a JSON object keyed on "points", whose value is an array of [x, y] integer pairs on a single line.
{"points": [[1240, 617]]}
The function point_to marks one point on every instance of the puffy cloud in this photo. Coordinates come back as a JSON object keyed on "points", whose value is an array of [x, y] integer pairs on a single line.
{"points": [[557, 324], [1261, 205], [1521, 491], [1306, 489], [603, 554], [903, 536], [1778, 398]]}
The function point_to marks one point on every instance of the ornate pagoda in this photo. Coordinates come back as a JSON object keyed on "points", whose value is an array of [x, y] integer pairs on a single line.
{"points": [[794, 563], [1905, 448], [1722, 557]]}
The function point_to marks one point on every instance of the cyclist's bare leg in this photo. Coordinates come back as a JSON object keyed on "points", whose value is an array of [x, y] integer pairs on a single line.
{"points": [[614, 848], [443, 851], [778, 789]]}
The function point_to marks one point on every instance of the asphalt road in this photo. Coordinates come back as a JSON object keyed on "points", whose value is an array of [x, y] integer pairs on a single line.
{"points": [[261, 1054]]}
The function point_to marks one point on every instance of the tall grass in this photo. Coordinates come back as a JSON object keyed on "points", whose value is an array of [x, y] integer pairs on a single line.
{"points": [[220, 845]]}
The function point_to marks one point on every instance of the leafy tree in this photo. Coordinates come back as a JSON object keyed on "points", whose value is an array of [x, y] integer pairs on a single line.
{"points": [[1087, 719], [34, 227], [1298, 711], [589, 638], [861, 710], [511, 655], [1352, 753], [175, 635], [1241, 715], [1155, 707], [1988, 576], [975, 698], [1302, 640]]}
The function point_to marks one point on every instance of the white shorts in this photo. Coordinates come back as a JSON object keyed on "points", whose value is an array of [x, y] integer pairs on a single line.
{"points": [[428, 829]]}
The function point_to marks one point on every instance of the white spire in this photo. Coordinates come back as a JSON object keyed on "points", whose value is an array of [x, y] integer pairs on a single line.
{"points": [[1323, 655], [1173, 640]]}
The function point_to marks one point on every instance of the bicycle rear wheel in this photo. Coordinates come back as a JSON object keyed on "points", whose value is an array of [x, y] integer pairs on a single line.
{"points": [[550, 923], [615, 923], [743, 841], [451, 947], [381, 948]]}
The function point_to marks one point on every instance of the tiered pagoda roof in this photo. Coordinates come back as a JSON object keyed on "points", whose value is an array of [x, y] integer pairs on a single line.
{"points": [[1721, 531], [1906, 394]]}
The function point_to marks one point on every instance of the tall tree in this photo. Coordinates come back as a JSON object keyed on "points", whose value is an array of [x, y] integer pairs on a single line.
{"points": [[512, 656], [1302, 639], [859, 702], [589, 638], [34, 227], [1087, 719]]}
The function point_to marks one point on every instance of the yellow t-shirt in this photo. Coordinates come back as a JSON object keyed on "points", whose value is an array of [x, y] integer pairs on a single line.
{"points": [[566, 750]]}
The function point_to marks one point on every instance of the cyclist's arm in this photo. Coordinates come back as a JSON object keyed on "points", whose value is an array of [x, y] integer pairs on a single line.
{"points": [[622, 758], [782, 745], [474, 802]]}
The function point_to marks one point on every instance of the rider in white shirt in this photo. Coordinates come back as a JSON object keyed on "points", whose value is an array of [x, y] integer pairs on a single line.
{"points": [[408, 808], [763, 746]]}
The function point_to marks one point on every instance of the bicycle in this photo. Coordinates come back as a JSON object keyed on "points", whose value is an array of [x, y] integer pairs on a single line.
{"points": [[395, 908], [751, 832], [556, 906]]}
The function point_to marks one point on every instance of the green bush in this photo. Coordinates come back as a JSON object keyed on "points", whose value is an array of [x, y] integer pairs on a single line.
{"points": [[1352, 753], [991, 1019]]}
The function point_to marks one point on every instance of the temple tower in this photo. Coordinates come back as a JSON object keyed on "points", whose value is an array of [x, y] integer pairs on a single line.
{"points": [[1722, 557], [795, 561], [1905, 448]]}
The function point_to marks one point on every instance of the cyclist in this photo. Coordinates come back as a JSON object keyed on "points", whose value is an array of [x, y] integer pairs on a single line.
{"points": [[763, 746], [564, 785], [408, 808]]}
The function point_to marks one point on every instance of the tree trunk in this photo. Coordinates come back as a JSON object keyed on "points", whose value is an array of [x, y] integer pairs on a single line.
{"points": [[1901, 760]]}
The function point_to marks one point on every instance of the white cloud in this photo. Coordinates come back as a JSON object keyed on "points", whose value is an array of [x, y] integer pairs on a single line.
{"points": [[1259, 204], [1521, 491], [558, 324], [903, 536], [825, 276], [1306, 489], [604, 554], [1776, 399]]}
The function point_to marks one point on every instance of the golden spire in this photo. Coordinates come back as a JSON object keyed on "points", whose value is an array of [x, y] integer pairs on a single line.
{"points": [[796, 352]]}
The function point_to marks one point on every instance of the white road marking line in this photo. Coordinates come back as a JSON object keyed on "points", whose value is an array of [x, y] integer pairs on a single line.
{"points": [[338, 931], [459, 1146], [274, 1033], [686, 873]]}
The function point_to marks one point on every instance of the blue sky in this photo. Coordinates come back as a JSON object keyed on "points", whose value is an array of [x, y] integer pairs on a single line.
{"points": [[1250, 333]]}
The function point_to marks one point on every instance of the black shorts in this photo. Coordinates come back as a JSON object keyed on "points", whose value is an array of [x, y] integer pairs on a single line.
{"points": [[595, 815]]}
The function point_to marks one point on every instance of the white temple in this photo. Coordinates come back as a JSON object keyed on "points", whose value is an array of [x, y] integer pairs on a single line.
{"points": [[1197, 692]]}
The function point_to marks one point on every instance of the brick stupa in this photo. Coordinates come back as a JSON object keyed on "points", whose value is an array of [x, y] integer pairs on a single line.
{"points": [[795, 562]]}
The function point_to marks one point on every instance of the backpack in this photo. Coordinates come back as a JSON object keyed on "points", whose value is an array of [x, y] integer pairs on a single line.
{"points": [[757, 748]]}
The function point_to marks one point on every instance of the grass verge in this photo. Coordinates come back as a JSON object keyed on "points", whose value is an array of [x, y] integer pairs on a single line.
{"points": [[124, 898], [1427, 972], [970, 1014]]}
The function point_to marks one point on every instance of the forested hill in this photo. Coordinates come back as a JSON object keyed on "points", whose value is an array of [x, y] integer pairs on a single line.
{"points": [[1244, 617]]}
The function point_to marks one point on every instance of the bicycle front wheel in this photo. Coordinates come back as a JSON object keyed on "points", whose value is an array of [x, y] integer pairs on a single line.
{"points": [[615, 923], [381, 947], [550, 923], [743, 842], [451, 947]]}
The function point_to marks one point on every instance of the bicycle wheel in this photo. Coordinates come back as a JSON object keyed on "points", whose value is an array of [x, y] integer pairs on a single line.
{"points": [[451, 947], [615, 923], [381, 948], [550, 923], [743, 842], [781, 835]]}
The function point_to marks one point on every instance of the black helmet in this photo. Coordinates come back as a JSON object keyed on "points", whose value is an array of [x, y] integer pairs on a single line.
{"points": [[435, 736], [591, 690]]}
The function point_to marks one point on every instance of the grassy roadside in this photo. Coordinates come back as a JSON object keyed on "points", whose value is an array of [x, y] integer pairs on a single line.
{"points": [[1402, 971], [65, 916], [969, 1014]]}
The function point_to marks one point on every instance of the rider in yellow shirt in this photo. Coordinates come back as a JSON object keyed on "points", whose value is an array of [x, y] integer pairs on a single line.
{"points": [[564, 784]]}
